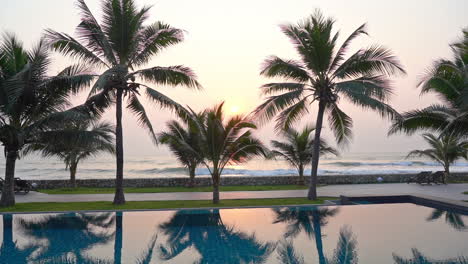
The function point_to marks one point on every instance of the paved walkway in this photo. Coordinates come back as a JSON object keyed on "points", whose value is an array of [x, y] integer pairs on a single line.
{"points": [[450, 191]]}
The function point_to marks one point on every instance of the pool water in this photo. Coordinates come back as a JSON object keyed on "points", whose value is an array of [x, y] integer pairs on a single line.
{"points": [[374, 233]]}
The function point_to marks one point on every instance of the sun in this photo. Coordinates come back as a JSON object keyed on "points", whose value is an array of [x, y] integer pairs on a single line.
{"points": [[234, 110]]}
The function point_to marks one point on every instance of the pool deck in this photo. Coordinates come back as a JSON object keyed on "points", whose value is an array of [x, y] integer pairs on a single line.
{"points": [[449, 191]]}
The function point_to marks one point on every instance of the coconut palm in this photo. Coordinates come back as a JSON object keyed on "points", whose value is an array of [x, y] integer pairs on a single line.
{"points": [[76, 142], [297, 149], [445, 150], [122, 43], [448, 79], [31, 101], [419, 258], [308, 221], [324, 75], [222, 142], [205, 231], [187, 132], [451, 218]]}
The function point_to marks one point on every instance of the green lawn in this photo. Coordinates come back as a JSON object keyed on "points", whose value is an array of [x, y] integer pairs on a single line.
{"points": [[465, 192], [84, 190], [77, 206]]}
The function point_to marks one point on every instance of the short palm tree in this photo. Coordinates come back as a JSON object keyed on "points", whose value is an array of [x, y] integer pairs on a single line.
{"points": [[222, 142], [187, 132], [31, 101], [297, 149], [445, 150], [122, 43], [325, 75], [76, 142], [448, 79]]}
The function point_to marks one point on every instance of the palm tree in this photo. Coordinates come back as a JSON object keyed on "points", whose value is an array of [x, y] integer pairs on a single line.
{"points": [[187, 132], [200, 228], [297, 149], [324, 75], [448, 79], [122, 42], [453, 219], [222, 142], [309, 221], [445, 150], [419, 258], [31, 101], [76, 142]]}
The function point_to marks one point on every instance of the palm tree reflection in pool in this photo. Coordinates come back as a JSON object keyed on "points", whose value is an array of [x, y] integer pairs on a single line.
{"points": [[344, 253], [419, 258], [308, 220], [217, 243], [10, 252], [451, 218], [82, 231]]}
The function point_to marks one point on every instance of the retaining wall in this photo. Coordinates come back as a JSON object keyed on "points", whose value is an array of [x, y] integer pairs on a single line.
{"points": [[235, 180]]}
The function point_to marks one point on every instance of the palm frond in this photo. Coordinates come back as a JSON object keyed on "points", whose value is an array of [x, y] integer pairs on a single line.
{"points": [[288, 69], [172, 75], [340, 124], [139, 111]]}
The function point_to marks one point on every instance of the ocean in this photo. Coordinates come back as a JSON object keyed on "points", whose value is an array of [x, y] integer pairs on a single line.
{"points": [[160, 166]]}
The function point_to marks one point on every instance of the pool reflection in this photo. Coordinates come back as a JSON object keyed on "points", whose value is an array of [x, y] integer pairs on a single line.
{"points": [[293, 235]]}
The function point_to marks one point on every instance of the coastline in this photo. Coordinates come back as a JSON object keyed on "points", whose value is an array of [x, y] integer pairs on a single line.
{"points": [[201, 181]]}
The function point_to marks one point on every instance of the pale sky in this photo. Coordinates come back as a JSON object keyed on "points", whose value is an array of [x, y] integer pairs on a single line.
{"points": [[227, 41]]}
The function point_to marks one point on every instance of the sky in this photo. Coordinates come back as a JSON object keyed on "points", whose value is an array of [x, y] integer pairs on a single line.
{"points": [[227, 41]]}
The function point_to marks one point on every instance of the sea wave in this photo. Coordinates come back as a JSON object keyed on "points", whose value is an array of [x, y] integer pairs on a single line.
{"points": [[390, 163]]}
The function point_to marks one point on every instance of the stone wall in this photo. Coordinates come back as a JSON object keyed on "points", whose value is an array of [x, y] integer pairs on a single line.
{"points": [[234, 180]]}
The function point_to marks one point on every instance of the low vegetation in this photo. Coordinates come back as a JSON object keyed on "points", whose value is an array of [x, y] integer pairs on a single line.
{"points": [[141, 205], [89, 190]]}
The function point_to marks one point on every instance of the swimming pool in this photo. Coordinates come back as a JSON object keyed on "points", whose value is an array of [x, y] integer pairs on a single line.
{"points": [[374, 233]]}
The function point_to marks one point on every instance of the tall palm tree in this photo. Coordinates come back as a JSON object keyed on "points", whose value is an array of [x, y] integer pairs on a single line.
{"points": [[77, 141], [31, 101], [297, 149], [205, 231], [308, 221], [324, 75], [448, 79], [222, 142], [419, 258], [187, 132], [445, 150], [451, 218], [122, 43]]}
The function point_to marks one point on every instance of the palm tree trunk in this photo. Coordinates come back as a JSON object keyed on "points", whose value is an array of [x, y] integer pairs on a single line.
{"points": [[301, 175], [118, 238], [192, 176], [215, 187], [73, 167], [8, 192], [446, 174], [119, 197], [318, 236], [312, 195]]}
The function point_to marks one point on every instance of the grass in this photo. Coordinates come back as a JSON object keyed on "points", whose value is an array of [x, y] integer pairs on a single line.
{"points": [[139, 205], [85, 190], [465, 192]]}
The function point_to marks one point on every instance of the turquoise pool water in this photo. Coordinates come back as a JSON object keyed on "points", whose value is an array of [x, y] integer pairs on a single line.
{"points": [[374, 233]]}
